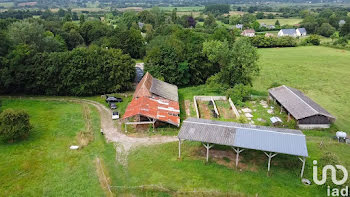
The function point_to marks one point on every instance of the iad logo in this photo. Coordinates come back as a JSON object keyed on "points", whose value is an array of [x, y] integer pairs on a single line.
{"points": [[334, 191]]}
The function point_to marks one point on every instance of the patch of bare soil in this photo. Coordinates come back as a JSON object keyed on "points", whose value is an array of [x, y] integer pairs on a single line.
{"points": [[188, 107], [204, 110], [226, 158], [226, 113]]}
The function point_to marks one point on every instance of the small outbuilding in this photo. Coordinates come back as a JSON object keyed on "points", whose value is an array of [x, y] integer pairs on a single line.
{"points": [[307, 113], [248, 33]]}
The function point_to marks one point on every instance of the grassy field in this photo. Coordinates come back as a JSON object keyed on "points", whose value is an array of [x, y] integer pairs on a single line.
{"points": [[283, 21], [321, 73], [184, 9], [43, 165]]}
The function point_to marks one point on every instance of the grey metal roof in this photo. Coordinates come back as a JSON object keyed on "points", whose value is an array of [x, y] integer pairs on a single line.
{"points": [[165, 90], [296, 103], [285, 141], [289, 31], [302, 30]]}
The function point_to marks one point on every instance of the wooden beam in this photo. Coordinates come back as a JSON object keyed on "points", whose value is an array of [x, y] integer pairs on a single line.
{"points": [[179, 148], [150, 122], [215, 109], [238, 150]]}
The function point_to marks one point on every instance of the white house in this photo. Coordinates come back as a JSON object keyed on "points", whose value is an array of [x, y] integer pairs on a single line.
{"points": [[292, 32], [248, 33], [287, 32], [301, 32]]}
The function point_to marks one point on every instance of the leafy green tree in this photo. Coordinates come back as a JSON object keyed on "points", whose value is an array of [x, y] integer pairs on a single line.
{"points": [[4, 44], [270, 16], [217, 52], [82, 19], [222, 34], [243, 65], [217, 9], [312, 40], [247, 19], [335, 36], [210, 21], [260, 15], [277, 23], [130, 41], [239, 93], [345, 29], [94, 30], [146, 17], [14, 124], [234, 19], [326, 30]]}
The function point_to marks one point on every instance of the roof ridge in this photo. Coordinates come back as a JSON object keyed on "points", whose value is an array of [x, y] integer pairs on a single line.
{"points": [[302, 100], [239, 127]]}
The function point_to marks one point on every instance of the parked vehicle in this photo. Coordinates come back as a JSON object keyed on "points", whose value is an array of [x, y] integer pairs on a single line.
{"points": [[113, 99], [115, 115], [112, 105]]}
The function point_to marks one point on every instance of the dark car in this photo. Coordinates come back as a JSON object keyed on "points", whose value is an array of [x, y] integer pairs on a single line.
{"points": [[112, 105], [113, 99]]}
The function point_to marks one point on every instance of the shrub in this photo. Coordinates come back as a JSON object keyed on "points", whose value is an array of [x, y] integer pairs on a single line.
{"points": [[274, 84], [238, 93], [14, 124], [267, 42], [312, 40]]}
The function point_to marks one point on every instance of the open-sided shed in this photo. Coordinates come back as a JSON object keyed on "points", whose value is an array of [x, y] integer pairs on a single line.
{"points": [[271, 141], [308, 114]]}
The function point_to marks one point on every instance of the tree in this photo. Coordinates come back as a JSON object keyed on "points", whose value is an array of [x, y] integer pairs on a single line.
{"points": [[217, 9], [270, 16], [238, 93], [260, 15], [277, 23], [210, 21], [312, 40], [234, 19], [82, 19], [14, 124], [217, 52], [243, 65], [335, 36], [326, 30], [94, 30], [130, 41], [4, 44], [34, 35], [345, 29]]}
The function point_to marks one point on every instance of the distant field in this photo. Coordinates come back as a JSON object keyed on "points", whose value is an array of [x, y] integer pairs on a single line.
{"points": [[283, 21], [184, 9], [321, 72], [7, 4]]}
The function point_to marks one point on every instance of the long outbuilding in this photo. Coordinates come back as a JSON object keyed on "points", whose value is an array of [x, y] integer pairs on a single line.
{"points": [[307, 113], [270, 140]]}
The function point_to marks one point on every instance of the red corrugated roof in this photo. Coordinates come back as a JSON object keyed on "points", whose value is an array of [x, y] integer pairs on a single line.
{"points": [[156, 108], [144, 86]]}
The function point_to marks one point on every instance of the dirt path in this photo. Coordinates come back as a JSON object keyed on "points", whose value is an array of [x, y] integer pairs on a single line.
{"points": [[124, 142]]}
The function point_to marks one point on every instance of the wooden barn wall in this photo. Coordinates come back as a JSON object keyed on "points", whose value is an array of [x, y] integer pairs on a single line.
{"points": [[317, 119]]}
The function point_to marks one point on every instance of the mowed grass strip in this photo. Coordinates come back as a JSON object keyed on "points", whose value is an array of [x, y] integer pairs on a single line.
{"points": [[43, 164], [283, 21], [321, 73]]}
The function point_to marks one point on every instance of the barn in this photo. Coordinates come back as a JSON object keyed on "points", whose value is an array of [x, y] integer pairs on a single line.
{"points": [[307, 113], [154, 102]]}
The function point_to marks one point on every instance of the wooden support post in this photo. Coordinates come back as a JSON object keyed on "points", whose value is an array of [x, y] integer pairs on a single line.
{"points": [[303, 159], [179, 148], [288, 117], [207, 146], [270, 156], [237, 150], [126, 130], [281, 109]]}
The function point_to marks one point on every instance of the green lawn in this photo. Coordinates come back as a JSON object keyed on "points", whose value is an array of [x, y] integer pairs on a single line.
{"points": [[321, 73], [43, 164], [283, 21]]}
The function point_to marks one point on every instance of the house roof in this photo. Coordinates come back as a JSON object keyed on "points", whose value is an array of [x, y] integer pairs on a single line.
{"points": [[165, 90], [156, 108], [285, 141], [289, 31], [155, 99], [296, 103], [247, 31], [302, 30]]}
